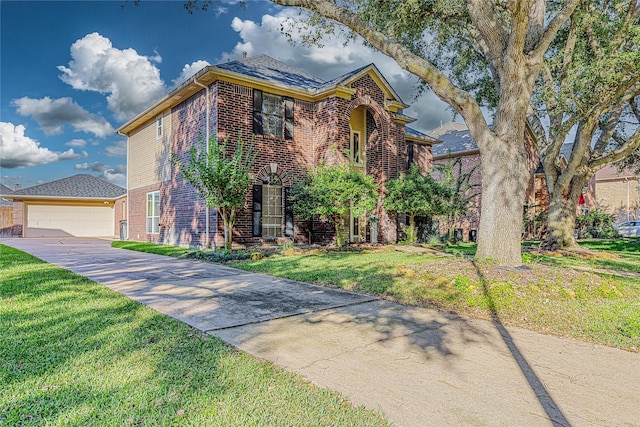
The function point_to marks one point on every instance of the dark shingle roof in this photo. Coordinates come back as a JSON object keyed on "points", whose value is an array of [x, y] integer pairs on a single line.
{"points": [[77, 186], [5, 191], [266, 68], [455, 138], [417, 134]]}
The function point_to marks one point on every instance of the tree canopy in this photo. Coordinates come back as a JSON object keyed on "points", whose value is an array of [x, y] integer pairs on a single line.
{"points": [[334, 192], [417, 194]]}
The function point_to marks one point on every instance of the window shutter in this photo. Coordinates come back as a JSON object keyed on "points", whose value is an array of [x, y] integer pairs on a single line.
{"points": [[257, 112], [257, 210], [288, 214], [288, 118]]}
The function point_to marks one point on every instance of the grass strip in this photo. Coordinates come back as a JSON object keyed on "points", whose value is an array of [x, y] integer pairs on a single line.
{"points": [[74, 353]]}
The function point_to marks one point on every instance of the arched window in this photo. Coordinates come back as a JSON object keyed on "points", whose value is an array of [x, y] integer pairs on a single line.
{"points": [[272, 207]]}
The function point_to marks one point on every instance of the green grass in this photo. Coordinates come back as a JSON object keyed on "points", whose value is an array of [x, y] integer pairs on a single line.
{"points": [[74, 353], [625, 256], [548, 297]]}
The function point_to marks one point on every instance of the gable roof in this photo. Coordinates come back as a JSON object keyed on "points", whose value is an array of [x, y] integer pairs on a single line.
{"points": [[263, 71], [82, 186], [266, 68], [5, 191], [454, 137]]}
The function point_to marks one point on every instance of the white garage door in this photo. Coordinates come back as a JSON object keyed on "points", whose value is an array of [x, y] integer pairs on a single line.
{"points": [[81, 221]]}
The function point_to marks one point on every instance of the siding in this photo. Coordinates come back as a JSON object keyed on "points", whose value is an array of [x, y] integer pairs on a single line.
{"points": [[149, 157]]}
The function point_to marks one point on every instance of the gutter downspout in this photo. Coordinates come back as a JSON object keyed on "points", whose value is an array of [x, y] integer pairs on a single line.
{"points": [[207, 132], [127, 202]]}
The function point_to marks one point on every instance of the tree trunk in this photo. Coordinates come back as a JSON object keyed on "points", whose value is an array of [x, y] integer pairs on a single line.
{"points": [[228, 219], [342, 229], [561, 217], [505, 175], [412, 228], [561, 223]]}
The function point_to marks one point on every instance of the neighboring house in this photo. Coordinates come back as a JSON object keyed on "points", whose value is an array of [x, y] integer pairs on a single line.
{"points": [[296, 121], [618, 193], [6, 212], [456, 142], [80, 205]]}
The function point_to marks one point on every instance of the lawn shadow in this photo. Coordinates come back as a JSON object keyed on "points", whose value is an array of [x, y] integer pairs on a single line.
{"points": [[553, 411]]}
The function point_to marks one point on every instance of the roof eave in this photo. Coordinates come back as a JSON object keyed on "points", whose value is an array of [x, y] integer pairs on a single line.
{"points": [[71, 198]]}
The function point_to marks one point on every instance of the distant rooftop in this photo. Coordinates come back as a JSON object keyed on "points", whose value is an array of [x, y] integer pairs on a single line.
{"points": [[455, 138], [76, 186]]}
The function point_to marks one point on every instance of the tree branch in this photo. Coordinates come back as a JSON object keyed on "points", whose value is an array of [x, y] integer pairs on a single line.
{"points": [[552, 29], [441, 85]]}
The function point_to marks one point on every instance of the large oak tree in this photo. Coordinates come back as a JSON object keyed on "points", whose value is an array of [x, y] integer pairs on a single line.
{"points": [[588, 94], [504, 42]]}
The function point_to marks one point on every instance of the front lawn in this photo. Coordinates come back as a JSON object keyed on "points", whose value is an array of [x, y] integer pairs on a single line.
{"points": [[548, 296], [73, 352]]}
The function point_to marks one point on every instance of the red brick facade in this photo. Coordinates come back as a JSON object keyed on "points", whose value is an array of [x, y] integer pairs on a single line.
{"points": [[321, 133]]}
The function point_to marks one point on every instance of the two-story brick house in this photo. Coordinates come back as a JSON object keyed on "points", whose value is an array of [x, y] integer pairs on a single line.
{"points": [[296, 121]]}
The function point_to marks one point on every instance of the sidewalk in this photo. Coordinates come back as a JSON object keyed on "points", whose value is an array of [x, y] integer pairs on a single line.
{"points": [[419, 367]]}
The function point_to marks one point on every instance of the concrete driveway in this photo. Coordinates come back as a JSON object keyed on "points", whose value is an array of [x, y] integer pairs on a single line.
{"points": [[419, 367]]}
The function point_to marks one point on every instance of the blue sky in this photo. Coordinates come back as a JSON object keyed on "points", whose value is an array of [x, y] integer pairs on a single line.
{"points": [[73, 72]]}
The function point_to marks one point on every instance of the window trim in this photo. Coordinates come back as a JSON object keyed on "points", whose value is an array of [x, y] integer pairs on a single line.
{"points": [[159, 127], [153, 227]]}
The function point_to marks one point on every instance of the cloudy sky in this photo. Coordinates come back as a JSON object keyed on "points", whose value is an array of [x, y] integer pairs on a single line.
{"points": [[73, 72]]}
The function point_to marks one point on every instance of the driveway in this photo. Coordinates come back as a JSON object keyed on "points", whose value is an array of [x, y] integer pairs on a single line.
{"points": [[419, 367]]}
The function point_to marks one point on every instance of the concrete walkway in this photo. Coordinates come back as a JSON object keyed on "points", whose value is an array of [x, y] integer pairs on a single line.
{"points": [[419, 367]]}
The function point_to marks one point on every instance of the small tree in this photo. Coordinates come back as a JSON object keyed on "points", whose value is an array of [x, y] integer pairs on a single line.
{"points": [[333, 192], [221, 178], [462, 191], [416, 195]]}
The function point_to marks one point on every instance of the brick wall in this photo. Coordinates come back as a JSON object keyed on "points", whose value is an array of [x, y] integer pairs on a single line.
{"points": [[321, 134], [18, 218]]}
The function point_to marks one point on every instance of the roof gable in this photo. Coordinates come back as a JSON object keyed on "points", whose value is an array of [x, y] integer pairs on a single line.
{"points": [[82, 186], [264, 72]]}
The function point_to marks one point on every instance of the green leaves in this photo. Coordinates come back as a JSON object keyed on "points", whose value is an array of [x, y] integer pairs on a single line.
{"points": [[417, 194], [333, 192], [219, 176]]}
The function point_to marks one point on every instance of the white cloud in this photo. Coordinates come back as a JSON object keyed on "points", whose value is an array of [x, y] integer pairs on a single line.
{"points": [[18, 150], [115, 175], [76, 143], [188, 71], [53, 114], [333, 59], [118, 149], [132, 80]]}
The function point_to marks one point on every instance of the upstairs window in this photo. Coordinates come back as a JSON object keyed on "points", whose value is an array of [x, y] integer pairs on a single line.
{"points": [[272, 115], [159, 127]]}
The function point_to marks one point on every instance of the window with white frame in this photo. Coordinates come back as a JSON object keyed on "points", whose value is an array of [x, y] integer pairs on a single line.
{"points": [[153, 212], [159, 127]]}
